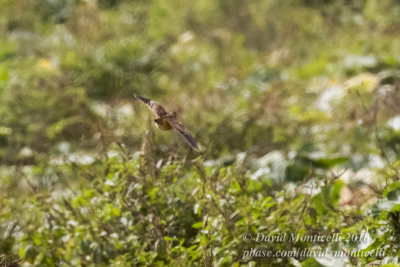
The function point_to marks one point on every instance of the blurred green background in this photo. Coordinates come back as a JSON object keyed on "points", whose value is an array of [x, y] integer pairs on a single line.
{"points": [[295, 104]]}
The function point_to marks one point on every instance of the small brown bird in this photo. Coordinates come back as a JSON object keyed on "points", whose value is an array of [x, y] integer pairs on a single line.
{"points": [[167, 121]]}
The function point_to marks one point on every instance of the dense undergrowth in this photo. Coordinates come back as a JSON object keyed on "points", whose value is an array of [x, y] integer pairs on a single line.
{"points": [[295, 105]]}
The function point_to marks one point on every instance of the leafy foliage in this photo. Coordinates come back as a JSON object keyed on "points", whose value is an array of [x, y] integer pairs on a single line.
{"points": [[295, 105]]}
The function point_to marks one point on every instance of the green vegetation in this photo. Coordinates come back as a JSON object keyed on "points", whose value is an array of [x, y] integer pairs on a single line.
{"points": [[295, 104]]}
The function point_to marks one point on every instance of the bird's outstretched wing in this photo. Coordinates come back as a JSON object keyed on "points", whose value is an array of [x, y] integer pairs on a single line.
{"points": [[152, 105], [182, 131]]}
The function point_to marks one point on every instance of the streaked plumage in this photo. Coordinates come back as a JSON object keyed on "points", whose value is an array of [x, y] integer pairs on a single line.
{"points": [[168, 121]]}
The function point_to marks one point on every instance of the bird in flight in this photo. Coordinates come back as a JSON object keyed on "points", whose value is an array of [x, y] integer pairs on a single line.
{"points": [[167, 121]]}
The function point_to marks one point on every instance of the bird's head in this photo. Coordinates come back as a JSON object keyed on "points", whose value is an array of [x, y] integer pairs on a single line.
{"points": [[162, 124], [159, 121]]}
